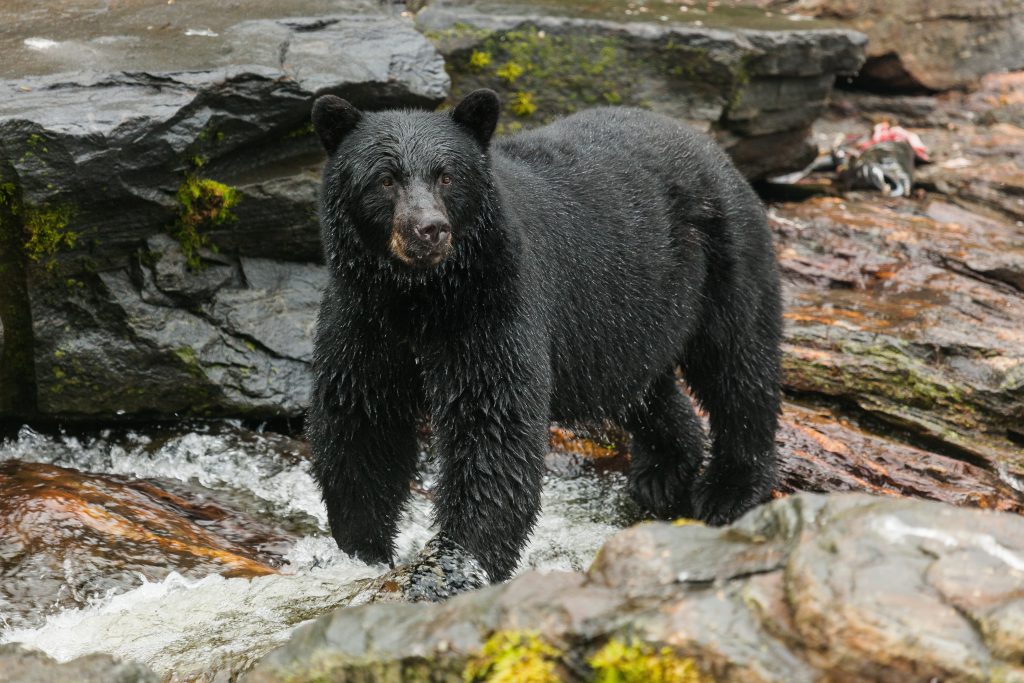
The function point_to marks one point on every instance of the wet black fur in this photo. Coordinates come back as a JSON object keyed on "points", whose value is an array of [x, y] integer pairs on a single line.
{"points": [[590, 259]]}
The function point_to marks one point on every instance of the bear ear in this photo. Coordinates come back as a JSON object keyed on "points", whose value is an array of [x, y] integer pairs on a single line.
{"points": [[333, 119], [478, 114]]}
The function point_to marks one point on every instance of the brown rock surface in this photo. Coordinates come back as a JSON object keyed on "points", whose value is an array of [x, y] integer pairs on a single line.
{"points": [[908, 310], [66, 536]]}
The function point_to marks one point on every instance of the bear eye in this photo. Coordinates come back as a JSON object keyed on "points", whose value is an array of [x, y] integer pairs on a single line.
{"points": [[446, 179]]}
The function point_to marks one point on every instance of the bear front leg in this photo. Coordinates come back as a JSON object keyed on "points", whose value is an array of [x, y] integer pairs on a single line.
{"points": [[362, 431], [490, 419]]}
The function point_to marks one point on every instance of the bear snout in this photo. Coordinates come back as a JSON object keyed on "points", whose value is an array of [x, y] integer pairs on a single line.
{"points": [[421, 239]]}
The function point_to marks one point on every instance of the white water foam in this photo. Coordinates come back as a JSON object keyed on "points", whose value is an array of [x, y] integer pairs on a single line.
{"points": [[177, 625]]}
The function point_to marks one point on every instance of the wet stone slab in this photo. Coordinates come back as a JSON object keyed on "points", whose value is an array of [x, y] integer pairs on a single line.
{"points": [[154, 157]]}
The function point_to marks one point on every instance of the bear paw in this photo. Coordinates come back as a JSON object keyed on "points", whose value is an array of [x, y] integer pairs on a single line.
{"points": [[663, 491], [721, 496]]}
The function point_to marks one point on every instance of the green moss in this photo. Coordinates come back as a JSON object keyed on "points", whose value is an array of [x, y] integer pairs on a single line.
{"points": [[514, 657], [479, 60], [187, 354], [303, 131], [46, 232], [36, 142], [510, 72], [886, 371], [617, 662], [9, 198], [522, 104], [204, 204], [541, 75]]}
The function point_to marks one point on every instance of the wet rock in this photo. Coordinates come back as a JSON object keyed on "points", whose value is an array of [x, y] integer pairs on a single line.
{"points": [[824, 450], [28, 666], [821, 451], [908, 310], [208, 147], [442, 570], [936, 45], [67, 536], [845, 587], [756, 91]]}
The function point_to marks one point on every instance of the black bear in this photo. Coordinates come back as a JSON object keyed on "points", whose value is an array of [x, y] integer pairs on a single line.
{"points": [[563, 273]]}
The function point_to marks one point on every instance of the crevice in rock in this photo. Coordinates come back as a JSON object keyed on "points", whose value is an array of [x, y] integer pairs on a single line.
{"points": [[884, 74], [17, 363], [881, 425]]}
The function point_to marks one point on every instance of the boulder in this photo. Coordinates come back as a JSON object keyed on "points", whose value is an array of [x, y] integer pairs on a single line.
{"points": [[843, 587], [22, 665], [757, 91], [158, 237], [934, 45]]}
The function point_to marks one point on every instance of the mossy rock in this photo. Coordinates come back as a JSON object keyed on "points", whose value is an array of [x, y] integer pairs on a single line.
{"points": [[543, 74]]}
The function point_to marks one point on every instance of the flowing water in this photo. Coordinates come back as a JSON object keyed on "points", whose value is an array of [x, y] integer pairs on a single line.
{"points": [[197, 551]]}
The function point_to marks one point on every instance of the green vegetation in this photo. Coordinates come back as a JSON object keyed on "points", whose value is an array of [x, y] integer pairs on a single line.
{"points": [[617, 662], [46, 232], [510, 72], [204, 204], [514, 657], [543, 75], [479, 60], [522, 104]]}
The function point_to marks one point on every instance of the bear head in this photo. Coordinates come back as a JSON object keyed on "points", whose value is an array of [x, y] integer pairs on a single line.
{"points": [[408, 186]]}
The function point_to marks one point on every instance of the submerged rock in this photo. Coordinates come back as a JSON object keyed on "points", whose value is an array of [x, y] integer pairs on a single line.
{"points": [[845, 587], [67, 537], [442, 570]]}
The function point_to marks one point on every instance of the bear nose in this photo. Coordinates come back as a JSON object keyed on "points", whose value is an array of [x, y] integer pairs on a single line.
{"points": [[432, 232]]}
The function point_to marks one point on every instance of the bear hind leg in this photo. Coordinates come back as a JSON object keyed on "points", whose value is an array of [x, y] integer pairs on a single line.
{"points": [[667, 450], [734, 371]]}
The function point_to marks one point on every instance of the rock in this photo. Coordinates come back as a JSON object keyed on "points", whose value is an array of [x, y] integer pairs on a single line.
{"points": [[884, 304], [138, 196], [68, 536], [21, 665], [845, 587], [442, 570], [757, 91], [936, 45], [822, 451]]}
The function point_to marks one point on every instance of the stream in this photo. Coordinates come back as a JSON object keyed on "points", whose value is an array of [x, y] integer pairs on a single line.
{"points": [[198, 549]]}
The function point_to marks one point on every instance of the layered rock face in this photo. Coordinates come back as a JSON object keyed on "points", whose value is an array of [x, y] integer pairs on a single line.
{"points": [[928, 44], [159, 225], [808, 588]]}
